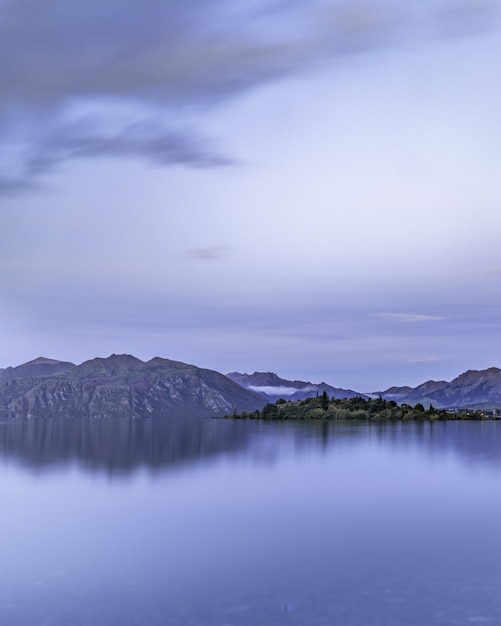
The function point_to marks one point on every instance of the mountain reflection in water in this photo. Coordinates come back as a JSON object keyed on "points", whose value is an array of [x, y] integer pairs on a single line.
{"points": [[123, 445]]}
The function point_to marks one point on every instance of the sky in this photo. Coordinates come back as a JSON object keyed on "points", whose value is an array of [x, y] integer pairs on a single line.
{"points": [[310, 188]]}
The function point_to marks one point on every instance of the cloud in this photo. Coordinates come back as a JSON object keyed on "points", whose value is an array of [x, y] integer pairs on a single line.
{"points": [[148, 140], [411, 317], [278, 390], [460, 17], [209, 253], [176, 51], [181, 55]]}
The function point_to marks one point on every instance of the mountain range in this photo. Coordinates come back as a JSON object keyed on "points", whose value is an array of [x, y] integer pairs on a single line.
{"points": [[125, 386], [119, 386], [272, 387], [475, 389]]}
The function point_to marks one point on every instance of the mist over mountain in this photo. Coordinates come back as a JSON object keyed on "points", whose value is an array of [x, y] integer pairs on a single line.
{"points": [[272, 387]]}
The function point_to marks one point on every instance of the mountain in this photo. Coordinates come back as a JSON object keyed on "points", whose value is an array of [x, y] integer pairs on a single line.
{"points": [[474, 389], [36, 368], [119, 386], [125, 386], [272, 387]]}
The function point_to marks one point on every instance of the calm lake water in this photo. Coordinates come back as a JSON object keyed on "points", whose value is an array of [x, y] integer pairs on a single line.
{"points": [[226, 523]]}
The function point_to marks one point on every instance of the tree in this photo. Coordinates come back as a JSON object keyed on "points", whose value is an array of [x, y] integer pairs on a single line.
{"points": [[324, 401], [269, 411]]}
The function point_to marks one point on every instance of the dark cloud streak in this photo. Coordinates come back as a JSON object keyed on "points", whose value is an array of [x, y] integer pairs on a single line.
{"points": [[209, 253], [146, 140], [139, 139]]}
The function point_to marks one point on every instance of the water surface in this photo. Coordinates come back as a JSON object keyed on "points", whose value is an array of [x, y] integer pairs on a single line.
{"points": [[225, 523]]}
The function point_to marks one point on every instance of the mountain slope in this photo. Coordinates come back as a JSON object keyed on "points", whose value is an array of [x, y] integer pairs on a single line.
{"points": [[123, 386]]}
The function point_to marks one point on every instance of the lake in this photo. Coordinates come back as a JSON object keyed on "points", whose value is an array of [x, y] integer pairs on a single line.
{"points": [[221, 522]]}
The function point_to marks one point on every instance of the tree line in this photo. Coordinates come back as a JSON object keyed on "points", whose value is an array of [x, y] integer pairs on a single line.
{"points": [[376, 409]]}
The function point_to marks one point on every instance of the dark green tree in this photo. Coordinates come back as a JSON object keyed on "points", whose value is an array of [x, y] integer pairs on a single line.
{"points": [[324, 401], [269, 411]]}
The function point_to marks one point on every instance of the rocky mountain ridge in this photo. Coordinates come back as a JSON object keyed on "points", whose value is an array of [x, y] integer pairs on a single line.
{"points": [[475, 389], [119, 386]]}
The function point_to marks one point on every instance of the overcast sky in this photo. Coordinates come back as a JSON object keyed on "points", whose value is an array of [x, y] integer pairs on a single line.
{"points": [[311, 188]]}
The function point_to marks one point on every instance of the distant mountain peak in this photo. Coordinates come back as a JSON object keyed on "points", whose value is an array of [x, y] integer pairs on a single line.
{"points": [[43, 360], [110, 365], [120, 358], [41, 366], [490, 373]]}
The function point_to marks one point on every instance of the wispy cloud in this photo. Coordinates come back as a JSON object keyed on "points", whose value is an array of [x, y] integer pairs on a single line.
{"points": [[411, 317], [425, 359]]}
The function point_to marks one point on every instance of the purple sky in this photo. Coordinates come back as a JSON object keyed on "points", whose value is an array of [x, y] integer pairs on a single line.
{"points": [[306, 188]]}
